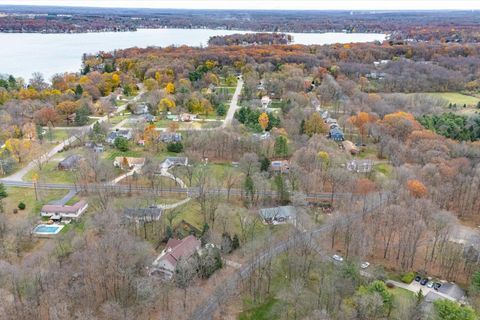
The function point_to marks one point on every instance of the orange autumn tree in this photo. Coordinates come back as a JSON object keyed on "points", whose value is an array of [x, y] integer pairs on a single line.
{"points": [[400, 124], [417, 188], [263, 120], [361, 121]]}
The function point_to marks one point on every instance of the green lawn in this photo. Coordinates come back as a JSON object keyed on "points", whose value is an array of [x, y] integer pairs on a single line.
{"points": [[455, 97], [260, 312], [113, 153], [51, 174], [27, 196]]}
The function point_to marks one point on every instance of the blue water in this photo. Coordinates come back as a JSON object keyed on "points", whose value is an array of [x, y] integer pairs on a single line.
{"points": [[46, 229], [24, 53]]}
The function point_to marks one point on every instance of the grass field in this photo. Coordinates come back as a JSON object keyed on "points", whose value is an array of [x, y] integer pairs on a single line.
{"points": [[51, 174], [27, 196], [458, 98], [260, 312]]}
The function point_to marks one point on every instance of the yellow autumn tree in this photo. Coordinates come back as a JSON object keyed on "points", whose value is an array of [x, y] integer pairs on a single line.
{"points": [[170, 88], [315, 125], [20, 149], [166, 105], [263, 120]]}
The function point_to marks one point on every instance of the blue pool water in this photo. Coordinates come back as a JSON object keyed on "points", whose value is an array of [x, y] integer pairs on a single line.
{"points": [[46, 229]]}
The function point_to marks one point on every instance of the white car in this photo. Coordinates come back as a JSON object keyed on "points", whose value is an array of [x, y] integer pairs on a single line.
{"points": [[336, 257], [430, 284], [364, 265]]}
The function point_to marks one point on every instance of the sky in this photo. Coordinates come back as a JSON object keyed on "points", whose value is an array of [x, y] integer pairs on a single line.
{"points": [[265, 4]]}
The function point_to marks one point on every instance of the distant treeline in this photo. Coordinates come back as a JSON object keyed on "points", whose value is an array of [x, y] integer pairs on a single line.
{"points": [[251, 39], [459, 26]]}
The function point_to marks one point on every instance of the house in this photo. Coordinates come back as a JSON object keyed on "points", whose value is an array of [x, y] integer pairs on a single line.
{"points": [[124, 133], [149, 214], [336, 134], [278, 215], [56, 212], [261, 136], [173, 162], [325, 115], [266, 101], [187, 117], [170, 137], [98, 148], [360, 166], [149, 117], [129, 163], [70, 163], [141, 108], [282, 166], [350, 147], [166, 263]]}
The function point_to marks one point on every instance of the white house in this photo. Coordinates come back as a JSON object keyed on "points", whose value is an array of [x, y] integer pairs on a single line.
{"points": [[129, 163], [266, 101], [55, 211], [173, 161], [176, 249]]}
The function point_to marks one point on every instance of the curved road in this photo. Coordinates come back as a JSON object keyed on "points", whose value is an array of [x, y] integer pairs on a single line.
{"points": [[207, 309]]}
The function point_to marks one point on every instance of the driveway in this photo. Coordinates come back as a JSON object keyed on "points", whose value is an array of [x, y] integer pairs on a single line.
{"points": [[233, 104], [415, 287]]}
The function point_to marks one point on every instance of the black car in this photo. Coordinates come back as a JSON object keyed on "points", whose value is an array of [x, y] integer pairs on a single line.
{"points": [[418, 278], [424, 281], [437, 285]]}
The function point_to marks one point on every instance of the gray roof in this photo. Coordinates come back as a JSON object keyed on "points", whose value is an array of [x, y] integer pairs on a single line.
{"points": [[278, 212], [150, 213], [453, 290], [70, 161]]}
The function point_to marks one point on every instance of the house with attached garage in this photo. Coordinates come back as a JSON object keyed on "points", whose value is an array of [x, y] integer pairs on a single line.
{"points": [[129, 163], [277, 215], [56, 212], [173, 162], [70, 163], [166, 263], [124, 133]]}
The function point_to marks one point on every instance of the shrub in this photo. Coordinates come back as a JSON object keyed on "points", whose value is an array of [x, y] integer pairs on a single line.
{"points": [[121, 144], [408, 277], [22, 206], [390, 285], [176, 147]]}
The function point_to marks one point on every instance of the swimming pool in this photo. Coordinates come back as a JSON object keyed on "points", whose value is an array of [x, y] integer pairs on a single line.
{"points": [[46, 230]]}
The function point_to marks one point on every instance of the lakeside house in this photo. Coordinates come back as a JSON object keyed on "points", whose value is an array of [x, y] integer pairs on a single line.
{"points": [[149, 214], [166, 263], [70, 163], [129, 163], [56, 212], [277, 215]]}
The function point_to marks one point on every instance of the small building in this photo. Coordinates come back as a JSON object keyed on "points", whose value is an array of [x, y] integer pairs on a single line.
{"points": [[141, 108], [56, 212], [166, 263], [129, 163], [336, 134], [266, 101], [350, 147], [277, 215], [282, 166], [149, 117], [173, 162], [325, 115], [70, 163], [187, 117], [360, 166], [170, 137], [149, 214], [98, 148]]}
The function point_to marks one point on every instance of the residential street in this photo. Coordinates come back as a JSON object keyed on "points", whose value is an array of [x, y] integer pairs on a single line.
{"points": [[233, 104]]}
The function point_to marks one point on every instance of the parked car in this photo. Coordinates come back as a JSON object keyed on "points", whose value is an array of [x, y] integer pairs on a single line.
{"points": [[364, 265], [418, 278], [336, 257], [437, 285], [424, 281], [430, 284]]}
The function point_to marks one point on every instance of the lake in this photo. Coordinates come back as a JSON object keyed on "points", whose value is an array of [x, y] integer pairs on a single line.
{"points": [[25, 53]]}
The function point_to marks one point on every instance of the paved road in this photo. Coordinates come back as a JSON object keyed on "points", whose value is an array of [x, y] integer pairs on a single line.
{"points": [[18, 176], [207, 309], [233, 104]]}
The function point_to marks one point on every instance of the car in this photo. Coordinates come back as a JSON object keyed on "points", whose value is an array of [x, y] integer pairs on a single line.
{"points": [[336, 257], [423, 281], [430, 284], [418, 278], [437, 285], [364, 265]]}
